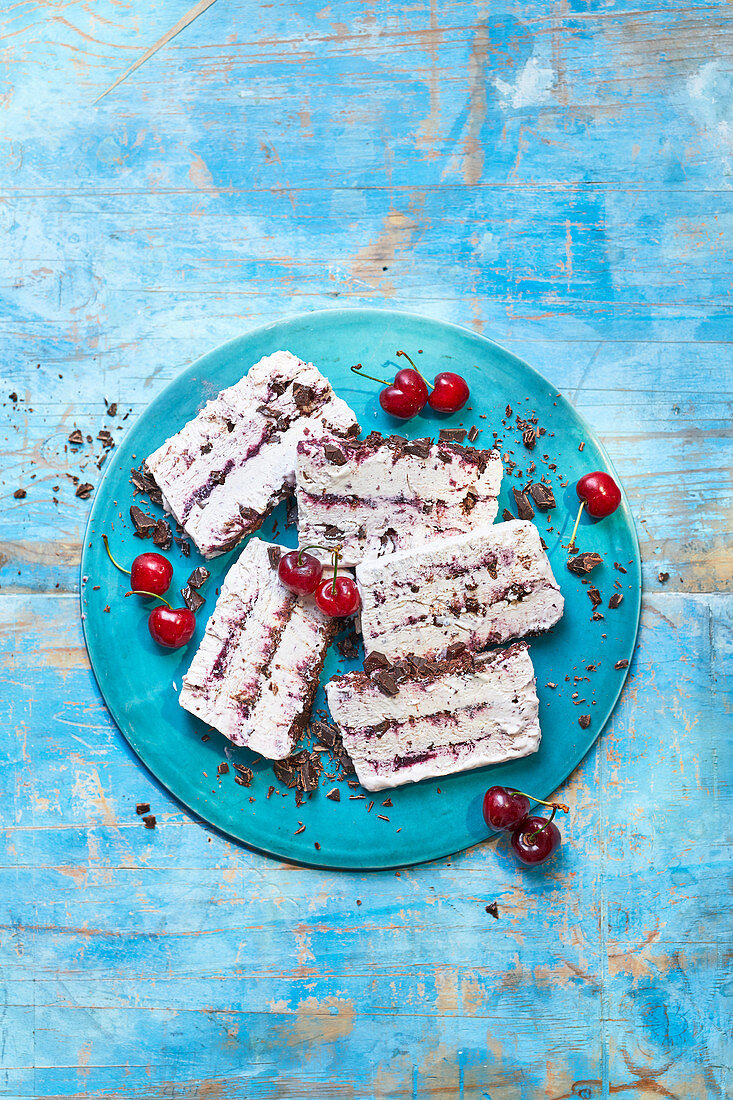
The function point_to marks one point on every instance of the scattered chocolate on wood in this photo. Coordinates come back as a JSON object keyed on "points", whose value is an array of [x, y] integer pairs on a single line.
{"points": [[142, 808], [149, 821], [84, 490]]}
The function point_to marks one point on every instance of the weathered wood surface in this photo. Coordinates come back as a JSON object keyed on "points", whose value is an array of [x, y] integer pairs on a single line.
{"points": [[556, 176]]}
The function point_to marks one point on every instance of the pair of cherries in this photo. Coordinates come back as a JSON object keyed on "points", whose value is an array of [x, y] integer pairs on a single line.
{"points": [[409, 393], [533, 839], [150, 576], [302, 573]]}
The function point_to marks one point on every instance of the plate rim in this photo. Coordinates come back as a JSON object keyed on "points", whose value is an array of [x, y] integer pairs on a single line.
{"points": [[301, 316]]}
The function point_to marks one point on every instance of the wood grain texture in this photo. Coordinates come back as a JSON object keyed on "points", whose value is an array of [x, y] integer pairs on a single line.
{"points": [[555, 176]]}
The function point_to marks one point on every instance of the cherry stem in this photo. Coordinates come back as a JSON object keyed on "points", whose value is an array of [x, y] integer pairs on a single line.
{"points": [[557, 805], [312, 546], [407, 357], [531, 837], [109, 554], [358, 370], [336, 554], [153, 596], [571, 544]]}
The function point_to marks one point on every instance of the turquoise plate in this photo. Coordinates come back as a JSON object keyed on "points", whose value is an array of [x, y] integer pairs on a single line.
{"points": [[139, 681]]}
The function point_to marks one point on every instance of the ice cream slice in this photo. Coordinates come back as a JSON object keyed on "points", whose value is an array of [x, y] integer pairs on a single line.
{"points": [[376, 495], [226, 469], [482, 588], [422, 719], [256, 671]]}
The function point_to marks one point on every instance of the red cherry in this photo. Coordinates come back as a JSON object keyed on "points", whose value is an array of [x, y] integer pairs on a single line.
{"points": [[535, 840], [171, 627], [406, 396], [151, 573], [450, 393], [338, 598], [300, 572], [505, 809], [600, 494]]}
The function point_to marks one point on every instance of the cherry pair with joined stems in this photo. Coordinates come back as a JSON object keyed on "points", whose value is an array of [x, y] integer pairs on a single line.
{"points": [[533, 839], [302, 573], [409, 393], [150, 576]]}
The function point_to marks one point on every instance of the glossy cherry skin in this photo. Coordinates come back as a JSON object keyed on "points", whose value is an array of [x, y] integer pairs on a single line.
{"points": [[600, 493], [449, 394], [505, 809], [151, 573], [171, 627], [407, 395], [541, 847], [301, 576], [338, 599]]}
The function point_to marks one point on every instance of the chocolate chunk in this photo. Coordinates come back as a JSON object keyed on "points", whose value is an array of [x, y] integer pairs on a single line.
{"points": [[105, 437], [200, 575], [621, 664], [84, 490], [452, 435], [455, 650], [594, 596], [331, 531], [506, 515], [326, 734], [543, 496], [493, 910], [529, 438], [373, 661], [334, 794], [348, 647], [149, 821], [385, 682], [304, 398], [524, 508], [596, 616], [20, 494], [112, 409], [584, 563], [301, 770], [615, 600], [661, 577], [274, 553], [291, 512], [472, 605], [244, 775], [469, 501], [473, 434], [508, 410], [584, 721], [76, 437], [144, 525], [420, 448], [334, 455], [184, 545], [162, 535], [223, 768], [192, 599], [142, 808]]}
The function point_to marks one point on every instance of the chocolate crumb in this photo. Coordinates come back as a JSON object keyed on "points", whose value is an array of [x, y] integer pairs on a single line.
{"points": [[149, 821], [550, 684], [334, 795], [85, 490], [529, 438], [106, 609], [594, 596], [584, 721], [584, 563], [76, 438], [493, 910], [596, 616], [621, 664], [581, 446], [142, 808], [387, 802], [223, 768], [20, 494], [661, 577], [316, 845], [112, 409], [300, 829], [615, 600], [621, 568]]}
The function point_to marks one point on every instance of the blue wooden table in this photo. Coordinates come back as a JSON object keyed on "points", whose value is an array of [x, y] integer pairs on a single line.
{"points": [[557, 176]]}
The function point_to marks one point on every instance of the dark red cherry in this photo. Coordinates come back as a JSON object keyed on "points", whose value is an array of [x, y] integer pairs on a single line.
{"points": [[338, 598], [171, 627], [600, 494], [535, 840], [300, 572], [407, 395], [449, 394], [504, 808], [151, 573]]}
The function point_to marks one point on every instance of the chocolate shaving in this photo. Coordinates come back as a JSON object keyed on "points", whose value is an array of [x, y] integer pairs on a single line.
{"points": [[420, 448], [529, 438], [301, 770], [105, 437], [199, 576], [334, 455], [584, 563], [76, 438], [274, 553], [621, 664], [84, 490], [192, 599], [621, 568], [543, 496], [304, 398], [162, 535], [244, 775], [184, 545], [385, 682], [223, 768], [452, 435], [144, 525], [524, 508], [615, 600], [473, 434], [506, 515], [584, 721], [594, 596]]}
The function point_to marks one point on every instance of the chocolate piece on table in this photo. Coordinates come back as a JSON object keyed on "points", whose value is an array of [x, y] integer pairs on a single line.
{"points": [[473, 434], [663, 578], [506, 515], [76, 438], [334, 795], [149, 821], [84, 490], [621, 664], [584, 563], [594, 596], [142, 808], [529, 438]]}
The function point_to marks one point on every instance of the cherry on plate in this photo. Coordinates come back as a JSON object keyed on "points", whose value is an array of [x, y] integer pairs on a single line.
{"points": [[536, 839], [338, 597], [599, 493], [505, 809], [171, 627], [449, 394], [407, 395], [151, 573]]}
